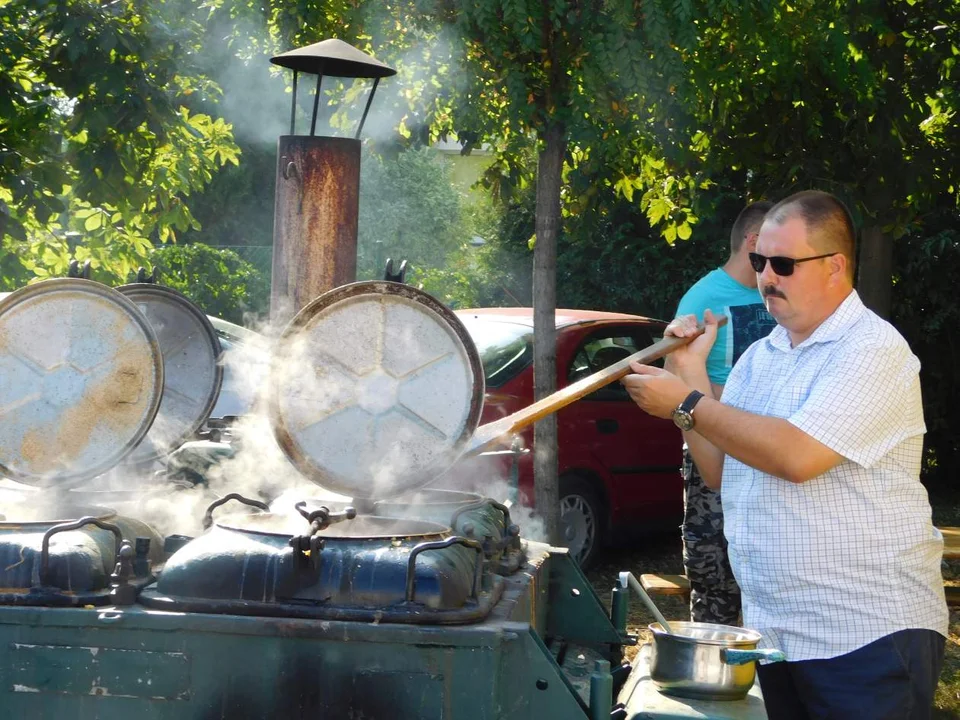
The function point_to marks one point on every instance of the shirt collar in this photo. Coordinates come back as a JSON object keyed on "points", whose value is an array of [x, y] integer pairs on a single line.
{"points": [[831, 329]]}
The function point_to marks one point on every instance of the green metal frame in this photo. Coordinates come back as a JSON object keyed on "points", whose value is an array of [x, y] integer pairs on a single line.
{"points": [[575, 612]]}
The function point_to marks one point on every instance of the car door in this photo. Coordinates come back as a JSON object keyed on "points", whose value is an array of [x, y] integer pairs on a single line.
{"points": [[639, 454]]}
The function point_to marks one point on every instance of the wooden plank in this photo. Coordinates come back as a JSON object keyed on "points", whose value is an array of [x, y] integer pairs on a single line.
{"points": [[665, 584], [493, 432], [951, 542]]}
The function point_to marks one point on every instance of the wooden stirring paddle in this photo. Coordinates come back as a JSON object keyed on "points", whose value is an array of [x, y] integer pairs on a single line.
{"points": [[492, 433]]}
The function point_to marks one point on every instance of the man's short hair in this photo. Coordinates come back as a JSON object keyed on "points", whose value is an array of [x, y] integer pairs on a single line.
{"points": [[749, 220], [828, 222]]}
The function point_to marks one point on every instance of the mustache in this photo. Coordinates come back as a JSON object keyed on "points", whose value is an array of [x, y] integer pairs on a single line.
{"points": [[771, 291]]}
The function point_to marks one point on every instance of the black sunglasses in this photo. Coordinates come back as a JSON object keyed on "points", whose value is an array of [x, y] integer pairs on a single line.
{"points": [[781, 265]]}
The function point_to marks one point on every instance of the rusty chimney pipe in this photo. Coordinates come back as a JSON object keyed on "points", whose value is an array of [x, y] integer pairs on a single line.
{"points": [[318, 187]]}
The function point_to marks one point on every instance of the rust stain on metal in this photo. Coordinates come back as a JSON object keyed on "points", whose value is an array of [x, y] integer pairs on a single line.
{"points": [[115, 402], [315, 220]]}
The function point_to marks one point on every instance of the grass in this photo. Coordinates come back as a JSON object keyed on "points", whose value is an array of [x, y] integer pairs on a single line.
{"points": [[662, 554]]}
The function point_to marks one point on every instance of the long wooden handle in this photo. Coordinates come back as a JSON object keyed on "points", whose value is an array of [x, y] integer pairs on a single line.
{"points": [[491, 433]]}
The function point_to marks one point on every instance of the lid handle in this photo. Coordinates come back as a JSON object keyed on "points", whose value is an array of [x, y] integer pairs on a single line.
{"points": [[65, 527], [208, 515], [411, 585]]}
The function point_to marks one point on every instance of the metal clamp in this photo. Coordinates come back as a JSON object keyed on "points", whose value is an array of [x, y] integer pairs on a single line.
{"points": [[512, 535], [74, 271], [208, 515], [121, 591], [398, 277], [323, 517], [411, 583], [65, 527], [142, 276], [310, 545]]}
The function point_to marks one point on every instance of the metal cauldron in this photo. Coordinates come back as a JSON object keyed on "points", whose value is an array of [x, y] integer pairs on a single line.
{"points": [[706, 660]]}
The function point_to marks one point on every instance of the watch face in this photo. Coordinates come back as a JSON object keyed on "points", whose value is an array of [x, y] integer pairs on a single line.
{"points": [[683, 419]]}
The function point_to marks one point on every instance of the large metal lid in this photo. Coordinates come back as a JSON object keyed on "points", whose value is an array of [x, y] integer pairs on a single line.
{"points": [[376, 389], [81, 377], [192, 374]]}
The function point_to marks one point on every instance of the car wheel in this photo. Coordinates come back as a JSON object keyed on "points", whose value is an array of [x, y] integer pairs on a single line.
{"points": [[581, 519]]}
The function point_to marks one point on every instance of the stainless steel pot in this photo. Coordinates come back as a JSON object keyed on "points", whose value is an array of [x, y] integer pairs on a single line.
{"points": [[706, 660]]}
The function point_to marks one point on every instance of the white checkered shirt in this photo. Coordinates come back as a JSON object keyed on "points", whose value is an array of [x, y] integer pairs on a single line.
{"points": [[832, 564]]}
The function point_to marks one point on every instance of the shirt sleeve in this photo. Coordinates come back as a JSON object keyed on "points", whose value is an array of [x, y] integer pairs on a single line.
{"points": [[865, 403], [689, 305]]}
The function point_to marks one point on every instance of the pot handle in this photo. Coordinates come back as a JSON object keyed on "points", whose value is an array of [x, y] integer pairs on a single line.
{"points": [[411, 582], [43, 575], [208, 515], [732, 656]]}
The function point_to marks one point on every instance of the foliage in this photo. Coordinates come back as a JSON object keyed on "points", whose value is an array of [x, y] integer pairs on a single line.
{"points": [[409, 208], [857, 98], [216, 279], [98, 150], [611, 259], [926, 311], [466, 277], [236, 206]]}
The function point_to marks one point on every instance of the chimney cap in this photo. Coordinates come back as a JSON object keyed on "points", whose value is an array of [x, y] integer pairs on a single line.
{"points": [[333, 57]]}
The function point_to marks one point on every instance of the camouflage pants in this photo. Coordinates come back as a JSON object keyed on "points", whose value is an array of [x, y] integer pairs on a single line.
{"points": [[714, 594]]}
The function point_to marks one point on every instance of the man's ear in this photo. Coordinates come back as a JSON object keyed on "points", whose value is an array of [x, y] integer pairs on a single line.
{"points": [[838, 266], [750, 241]]}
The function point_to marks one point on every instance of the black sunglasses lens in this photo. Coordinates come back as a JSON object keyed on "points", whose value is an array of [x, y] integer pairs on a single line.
{"points": [[758, 262], [782, 266]]}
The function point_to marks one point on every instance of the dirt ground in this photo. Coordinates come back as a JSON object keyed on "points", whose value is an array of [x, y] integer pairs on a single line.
{"points": [[662, 554]]}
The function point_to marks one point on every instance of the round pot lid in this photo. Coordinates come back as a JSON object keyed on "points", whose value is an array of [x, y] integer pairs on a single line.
{"points": [[192, 374], [81, 377], [377, 387]]}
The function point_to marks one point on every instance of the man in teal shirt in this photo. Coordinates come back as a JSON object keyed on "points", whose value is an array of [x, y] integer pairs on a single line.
{"points": [[730, 290]]}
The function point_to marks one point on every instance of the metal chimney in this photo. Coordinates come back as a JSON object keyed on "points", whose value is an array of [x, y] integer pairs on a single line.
{"points": [[318, 186]]}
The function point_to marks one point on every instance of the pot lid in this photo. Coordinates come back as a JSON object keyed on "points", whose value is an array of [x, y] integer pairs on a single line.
{"points": [[377, 387], [81, 377], [192, 374]]}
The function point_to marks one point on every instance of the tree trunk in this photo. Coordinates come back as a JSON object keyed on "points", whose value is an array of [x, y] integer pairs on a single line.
{"points": [[875, 273], [546, 485]]}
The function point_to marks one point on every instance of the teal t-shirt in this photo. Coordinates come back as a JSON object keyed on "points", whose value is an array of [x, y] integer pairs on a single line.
{"points": [[748, 319]]}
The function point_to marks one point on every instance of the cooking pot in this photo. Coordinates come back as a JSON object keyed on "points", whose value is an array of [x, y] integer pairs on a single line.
{"points": [[706, 661]]}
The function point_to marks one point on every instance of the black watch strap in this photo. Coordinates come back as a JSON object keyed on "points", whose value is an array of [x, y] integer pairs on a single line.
{"points": [[691, 401]]}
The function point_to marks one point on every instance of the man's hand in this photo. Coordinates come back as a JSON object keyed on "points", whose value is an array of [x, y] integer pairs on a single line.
{"points": [[656, 391], [695, 354]]}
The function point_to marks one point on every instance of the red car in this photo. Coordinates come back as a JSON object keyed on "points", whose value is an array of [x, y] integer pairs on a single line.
{"points": [[619, 467]]}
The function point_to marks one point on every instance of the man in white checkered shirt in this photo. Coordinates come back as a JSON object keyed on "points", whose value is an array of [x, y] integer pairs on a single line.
{"points": [[818, 440]]}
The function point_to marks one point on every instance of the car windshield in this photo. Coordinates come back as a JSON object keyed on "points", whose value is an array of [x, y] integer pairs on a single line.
{"points": [[505, 348]]}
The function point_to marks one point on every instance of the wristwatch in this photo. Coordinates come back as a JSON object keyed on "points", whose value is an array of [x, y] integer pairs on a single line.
{"points": [[683, 415]]}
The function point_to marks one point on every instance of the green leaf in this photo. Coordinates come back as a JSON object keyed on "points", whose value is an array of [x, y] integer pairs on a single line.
{"points": [[658, 210], [94, 222]]}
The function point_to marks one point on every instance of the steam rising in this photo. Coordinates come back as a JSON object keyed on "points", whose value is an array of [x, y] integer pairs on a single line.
{"points": [[256, 99]]}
